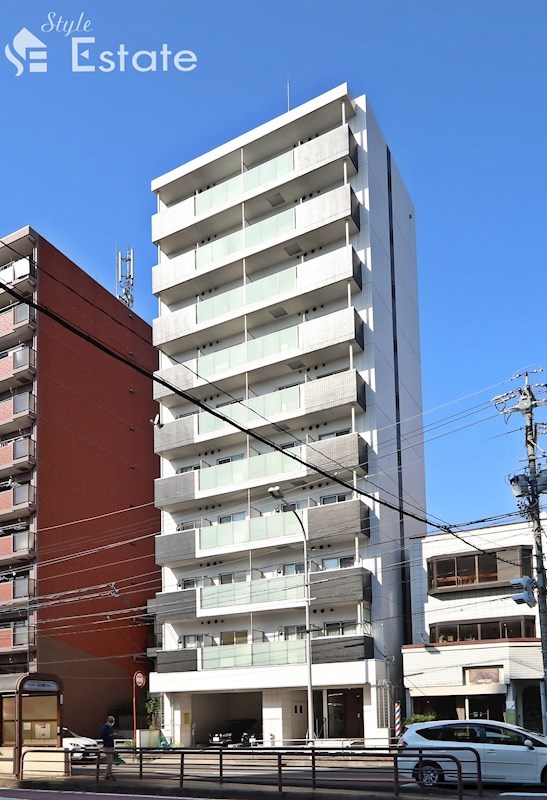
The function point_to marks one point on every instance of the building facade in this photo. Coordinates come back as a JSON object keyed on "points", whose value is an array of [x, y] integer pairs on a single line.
{"points": [[287, 290], [476, 653], [77, 519]]}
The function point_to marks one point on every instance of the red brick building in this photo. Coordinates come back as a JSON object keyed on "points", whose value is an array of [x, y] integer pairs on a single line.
{"points": [[77, 469]]}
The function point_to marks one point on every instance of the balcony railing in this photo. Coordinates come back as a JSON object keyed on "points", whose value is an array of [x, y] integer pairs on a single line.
{"points": [[332, 208], [16, 452], [13, 634], [16, 363], [17, 501], [311, 155], [17, 589], [332, 332], [16, 411], [256, 529], [18, 543], [273, 590], [17, 271], [259, 654], [348, 452]]}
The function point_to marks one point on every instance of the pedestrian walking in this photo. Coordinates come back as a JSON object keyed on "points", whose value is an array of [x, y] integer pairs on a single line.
{"points": [[107, 735]]}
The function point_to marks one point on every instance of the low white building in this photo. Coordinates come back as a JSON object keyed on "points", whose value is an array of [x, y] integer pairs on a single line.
{"points": [[476, 652]]}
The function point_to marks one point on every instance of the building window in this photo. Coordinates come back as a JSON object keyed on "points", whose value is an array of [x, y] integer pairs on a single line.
{"points": [[191, 468], [338, 563], [192, 641], [333, 434], [340, 629], [478, 568], [233, 577], [237, 516], [188, 526], [293, 632], [293, 569], [191, 583], [330, 499], [229, 459], [483, 630], [233, 637]]}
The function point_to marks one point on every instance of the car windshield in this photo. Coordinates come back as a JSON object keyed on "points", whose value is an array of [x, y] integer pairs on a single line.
{"points": [[68, 732]]}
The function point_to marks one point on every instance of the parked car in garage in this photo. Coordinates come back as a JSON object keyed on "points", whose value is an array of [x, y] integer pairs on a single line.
{"points": [[81, 747], [234, 731], [508, 754]]}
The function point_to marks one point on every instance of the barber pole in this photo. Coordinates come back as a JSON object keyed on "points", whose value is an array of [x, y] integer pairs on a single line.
{"points": [[397, 718]]}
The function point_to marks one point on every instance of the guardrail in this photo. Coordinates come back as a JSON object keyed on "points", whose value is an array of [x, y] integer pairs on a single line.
{"points": [[314, 767]]}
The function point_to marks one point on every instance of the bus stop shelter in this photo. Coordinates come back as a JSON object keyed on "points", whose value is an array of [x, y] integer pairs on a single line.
{"points": [[30, 714]]}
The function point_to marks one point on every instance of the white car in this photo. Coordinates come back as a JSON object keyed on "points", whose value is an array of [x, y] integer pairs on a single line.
{"points": [[81, 747], [508, 754]]}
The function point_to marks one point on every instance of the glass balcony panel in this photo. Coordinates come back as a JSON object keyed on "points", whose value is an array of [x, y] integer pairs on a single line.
{"points": [[218, 249], [21, 541], [256, 529], [254, 349], [221, 304], [271, 286], [21, 358], [258, 654], [22, 403], [269, 228], [21, 314], [288, 587], [21, 587], [20, 635]]}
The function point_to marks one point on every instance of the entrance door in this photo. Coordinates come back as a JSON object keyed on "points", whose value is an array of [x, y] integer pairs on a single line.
{"points": [[345, 714], [531, 709]]}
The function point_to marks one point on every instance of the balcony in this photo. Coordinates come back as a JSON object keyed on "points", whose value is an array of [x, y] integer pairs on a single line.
{"points": [[325, 650], [347, 519], [18, 590], [282, 592], [20, 275], [16, 455], [343, 454], [263, 594], [267, 356], [184, 546], [16, 367], [17, 323], [15, 636], [323, 279], [17, 546], [325, 153], [297, 403], [17, 501], [17, 412], [172, 606], [323, 216]]}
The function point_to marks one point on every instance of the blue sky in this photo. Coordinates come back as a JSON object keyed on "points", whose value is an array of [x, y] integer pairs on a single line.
{"points": [[459, 90]]}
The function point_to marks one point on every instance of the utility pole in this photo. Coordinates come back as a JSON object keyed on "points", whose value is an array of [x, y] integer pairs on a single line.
{"points": [[526, 487]]}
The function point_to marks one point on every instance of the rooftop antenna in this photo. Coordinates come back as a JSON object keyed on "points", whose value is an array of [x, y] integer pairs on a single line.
{"points": [[125, 276], [288, 94]]}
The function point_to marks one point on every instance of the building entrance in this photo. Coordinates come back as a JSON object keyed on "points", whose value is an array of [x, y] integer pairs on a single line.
{"points": [[345, 714]]}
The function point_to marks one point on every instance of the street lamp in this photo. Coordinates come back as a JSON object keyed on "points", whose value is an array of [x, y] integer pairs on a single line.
{"points": [[277, 494]]}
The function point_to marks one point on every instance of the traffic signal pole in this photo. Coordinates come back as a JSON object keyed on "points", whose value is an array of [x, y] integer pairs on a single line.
{"points": [[526, 404]]}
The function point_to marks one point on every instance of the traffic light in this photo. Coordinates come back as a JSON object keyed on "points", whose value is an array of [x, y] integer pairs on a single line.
{"points": [[527, 585]]}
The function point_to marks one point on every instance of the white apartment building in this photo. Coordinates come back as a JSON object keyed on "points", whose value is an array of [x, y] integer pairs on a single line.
{"points": [[476, 653], [287, 290]]}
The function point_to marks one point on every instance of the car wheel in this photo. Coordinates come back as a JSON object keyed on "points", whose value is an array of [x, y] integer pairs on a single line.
{"points": [[428, 774]]}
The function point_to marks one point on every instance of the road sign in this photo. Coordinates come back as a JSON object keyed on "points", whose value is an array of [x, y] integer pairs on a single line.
{"points": [[140, 679]]}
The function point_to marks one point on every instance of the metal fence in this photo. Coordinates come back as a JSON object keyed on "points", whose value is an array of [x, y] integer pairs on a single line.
{"points": [[277, 768]]}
